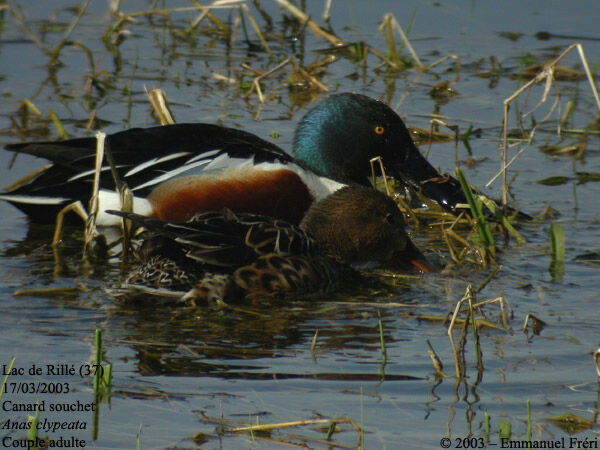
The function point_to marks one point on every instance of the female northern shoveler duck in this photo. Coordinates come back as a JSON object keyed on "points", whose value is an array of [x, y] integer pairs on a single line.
{"points": [[176, 171], [223, 255]]}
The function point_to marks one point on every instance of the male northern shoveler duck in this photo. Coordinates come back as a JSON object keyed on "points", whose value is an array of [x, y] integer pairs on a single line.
{"points": [[176, 171], [229, 256]]}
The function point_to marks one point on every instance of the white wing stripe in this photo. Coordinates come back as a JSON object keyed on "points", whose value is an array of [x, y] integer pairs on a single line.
{"points": [[34, 200], [225, 161], [205, 155], [86, 173], [155, 161], [169, 175]]}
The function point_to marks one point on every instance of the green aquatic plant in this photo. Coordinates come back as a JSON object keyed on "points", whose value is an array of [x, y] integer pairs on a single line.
{"points": [[475, 204], [3, 387]]}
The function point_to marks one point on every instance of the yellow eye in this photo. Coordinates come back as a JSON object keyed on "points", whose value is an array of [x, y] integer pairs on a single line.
{"points": [[379, 130]]}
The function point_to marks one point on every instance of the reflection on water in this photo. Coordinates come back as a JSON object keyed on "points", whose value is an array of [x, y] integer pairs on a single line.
{"points": [[162, 353], [361, 353]]}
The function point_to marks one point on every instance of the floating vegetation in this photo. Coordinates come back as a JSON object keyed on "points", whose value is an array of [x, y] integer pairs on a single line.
{"points": [[554, 181], [471, 307], [533, 322], [560, 73], [570, 423], [266, 69], [267, 432]]}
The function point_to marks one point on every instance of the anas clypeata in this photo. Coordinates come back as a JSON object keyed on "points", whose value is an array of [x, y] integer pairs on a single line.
{"points": [[176, 171], [229, 256]]}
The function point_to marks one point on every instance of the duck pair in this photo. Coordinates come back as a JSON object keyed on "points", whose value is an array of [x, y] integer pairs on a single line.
{"points": [[178, 171], [241, 256]]}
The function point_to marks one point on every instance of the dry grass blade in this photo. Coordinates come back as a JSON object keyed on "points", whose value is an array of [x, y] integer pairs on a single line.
{"points": [[313, 346], [312, 26], [455, 350], [404, 206], [476, 324], [488, 279], [536, 324], [466, 244], [80, 287], [90, 224], [26, 179], [163, 12], [436, 361], [298, 423], [587, 72], [455, 58], [547, 75], [327, 10], [383, 305], [20, 21], [257, 80], [475, 332], [31, 108], [205, 12], [596, 356], [261, 76], [311, 79], [379, 160], [390, 20], [75, 207], [57, 124], [256, 28], [452, 239], [451, 248], [126, 197], [160, 105], [421, 136], [480, 323], [54, 53], [453, 128], [504, 306], [331, 425]]}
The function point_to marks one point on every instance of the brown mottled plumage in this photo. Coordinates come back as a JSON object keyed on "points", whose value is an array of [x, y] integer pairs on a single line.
{"points": [[222, 255]]}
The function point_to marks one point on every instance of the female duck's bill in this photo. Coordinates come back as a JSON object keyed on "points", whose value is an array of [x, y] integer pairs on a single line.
{"points": [[223, 255], [333, 145]]}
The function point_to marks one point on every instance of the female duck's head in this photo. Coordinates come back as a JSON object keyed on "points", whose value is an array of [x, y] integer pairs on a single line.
{"points": [[357, 224]]}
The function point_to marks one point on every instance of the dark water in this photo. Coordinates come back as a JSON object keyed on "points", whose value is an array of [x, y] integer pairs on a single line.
{"points": [[175, 370]]}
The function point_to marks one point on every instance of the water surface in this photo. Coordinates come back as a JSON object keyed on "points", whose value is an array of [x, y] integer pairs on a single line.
{"points": [[175, 373]]}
